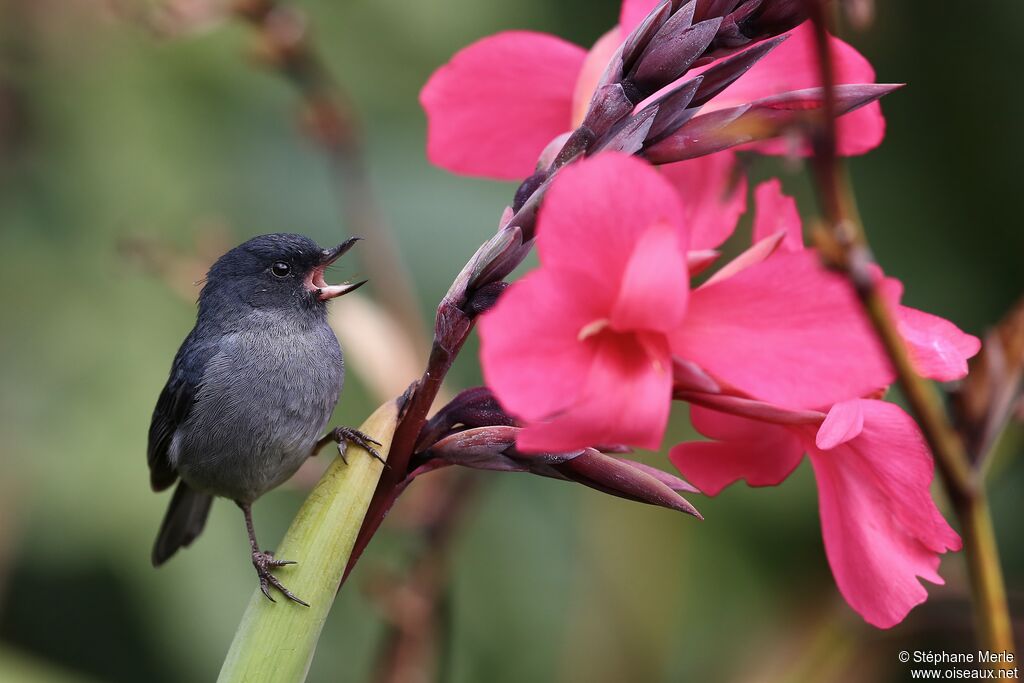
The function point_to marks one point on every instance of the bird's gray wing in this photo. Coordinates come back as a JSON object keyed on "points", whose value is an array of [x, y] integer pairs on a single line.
{"points": [[174, 404]]}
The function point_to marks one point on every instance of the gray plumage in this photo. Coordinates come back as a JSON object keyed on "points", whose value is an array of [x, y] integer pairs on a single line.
{"points": [[253, 385], [264, 400]]}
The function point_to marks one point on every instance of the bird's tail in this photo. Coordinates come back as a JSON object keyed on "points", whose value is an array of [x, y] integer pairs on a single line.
{"points": [[184, 520]]}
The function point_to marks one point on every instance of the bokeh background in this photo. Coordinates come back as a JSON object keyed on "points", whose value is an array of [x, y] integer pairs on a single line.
{"points": [[128, 157]]}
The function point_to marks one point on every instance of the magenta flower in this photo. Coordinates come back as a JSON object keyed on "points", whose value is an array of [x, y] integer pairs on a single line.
{"points": [[579, 349], [881, 528], [498, 103], [777, 213], [938, 349], [582, 349], [713, 196], [502, 101]]}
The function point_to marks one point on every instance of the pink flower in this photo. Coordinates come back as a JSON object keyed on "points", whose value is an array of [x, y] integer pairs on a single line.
{"points": [[881, 528], [713, 193], [495, 106], [499, 103], [792, 66], [776, 213], [938, 349], [578, 349], [581, 349]]}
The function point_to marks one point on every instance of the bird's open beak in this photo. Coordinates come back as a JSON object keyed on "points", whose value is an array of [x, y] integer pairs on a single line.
{"points": [[316, 281]]}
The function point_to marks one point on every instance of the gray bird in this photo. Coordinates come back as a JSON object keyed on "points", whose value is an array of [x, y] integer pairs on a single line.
{"points": [[251, 389]]}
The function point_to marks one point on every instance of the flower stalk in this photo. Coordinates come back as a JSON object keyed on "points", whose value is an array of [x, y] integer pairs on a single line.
{"points": [[844, 246], [276, 640]]}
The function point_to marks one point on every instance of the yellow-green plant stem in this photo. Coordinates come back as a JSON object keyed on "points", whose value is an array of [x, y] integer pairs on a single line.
{"points": [[986, 577], [276, 640]]}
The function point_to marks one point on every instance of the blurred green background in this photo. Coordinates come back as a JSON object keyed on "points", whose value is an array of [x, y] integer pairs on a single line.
{"points": [[110, 134]]}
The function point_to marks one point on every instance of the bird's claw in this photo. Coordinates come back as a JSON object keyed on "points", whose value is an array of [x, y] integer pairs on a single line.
{"points": [[264, 561], [346, 435]]}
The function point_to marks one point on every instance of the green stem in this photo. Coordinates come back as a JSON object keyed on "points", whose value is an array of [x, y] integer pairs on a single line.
{"points": [[986, 576], [276, 640]]}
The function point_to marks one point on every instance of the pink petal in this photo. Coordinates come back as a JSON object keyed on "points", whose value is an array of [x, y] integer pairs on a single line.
{"points": [[493, 108], [713, 194], [893, 445], [597, 209], [792, 66], [626, 400], [844, 421], [785, 331], [723, 426], [938, 349], [654, 286], [752, 256], [530, 351], [880, 524], [763, 455], [777, 212], [633, 12]]}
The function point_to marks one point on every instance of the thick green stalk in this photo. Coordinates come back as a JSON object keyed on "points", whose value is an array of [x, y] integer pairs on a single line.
{"points": [[276, 640]]}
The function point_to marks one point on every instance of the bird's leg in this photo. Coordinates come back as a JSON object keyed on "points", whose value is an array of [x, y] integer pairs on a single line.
{"points": [[264, 561], [343, 436]]}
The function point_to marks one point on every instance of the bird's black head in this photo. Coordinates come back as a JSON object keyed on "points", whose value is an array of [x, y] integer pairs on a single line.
{"points": [[279, 271]]}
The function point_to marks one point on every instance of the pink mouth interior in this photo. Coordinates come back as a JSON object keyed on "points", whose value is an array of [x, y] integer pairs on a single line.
{"points": [[316, 284], [316, 279]]}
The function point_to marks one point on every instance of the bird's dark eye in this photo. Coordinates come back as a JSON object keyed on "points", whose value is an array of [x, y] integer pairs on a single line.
{"points": [[281, 269]]}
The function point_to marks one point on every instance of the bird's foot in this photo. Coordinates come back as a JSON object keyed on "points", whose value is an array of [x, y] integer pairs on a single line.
{"points": [[346, 435], [264, 561]]}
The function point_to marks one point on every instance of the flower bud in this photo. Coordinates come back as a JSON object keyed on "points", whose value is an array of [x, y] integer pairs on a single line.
{"points": [[672, 51], [759, 120], [494, 448]]}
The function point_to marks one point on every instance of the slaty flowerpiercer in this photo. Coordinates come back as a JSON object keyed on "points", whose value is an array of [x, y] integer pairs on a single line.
{"points": [[251, 389]]}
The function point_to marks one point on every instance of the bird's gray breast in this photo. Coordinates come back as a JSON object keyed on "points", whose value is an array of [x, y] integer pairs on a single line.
{"points": [[264, 400]]}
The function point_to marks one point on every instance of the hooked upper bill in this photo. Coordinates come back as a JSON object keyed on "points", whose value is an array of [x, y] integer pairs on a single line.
{"points": [[319, 286]]}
